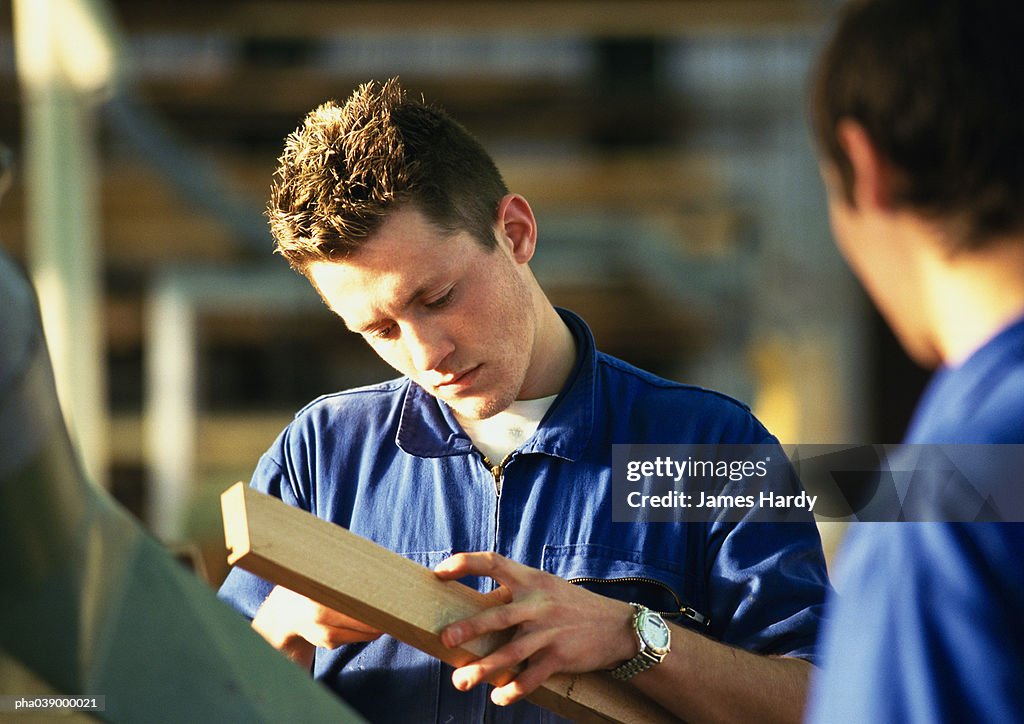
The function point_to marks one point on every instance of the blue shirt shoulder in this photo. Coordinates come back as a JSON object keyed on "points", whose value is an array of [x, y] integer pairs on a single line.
{"points": [[925, 624]]}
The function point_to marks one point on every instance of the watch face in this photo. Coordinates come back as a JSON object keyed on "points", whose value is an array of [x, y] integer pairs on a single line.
{"points": [[654, 631]]}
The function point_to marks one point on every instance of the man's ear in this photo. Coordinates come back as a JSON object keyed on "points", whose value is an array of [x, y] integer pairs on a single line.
{"points": [[517, 228], [872, 173]]}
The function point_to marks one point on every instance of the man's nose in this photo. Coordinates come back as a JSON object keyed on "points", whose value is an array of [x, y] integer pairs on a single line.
{"points": [[429, 345]]}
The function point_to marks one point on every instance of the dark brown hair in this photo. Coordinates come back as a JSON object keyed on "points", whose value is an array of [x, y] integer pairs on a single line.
{"points": [[938, 85], [347, 167]]}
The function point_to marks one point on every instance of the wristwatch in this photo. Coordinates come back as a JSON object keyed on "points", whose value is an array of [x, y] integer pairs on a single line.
{"points": [[655, 640]]}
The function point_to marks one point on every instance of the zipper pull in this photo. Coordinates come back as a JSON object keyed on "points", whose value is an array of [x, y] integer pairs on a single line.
{"points": [[695, 616], [497, 471]]}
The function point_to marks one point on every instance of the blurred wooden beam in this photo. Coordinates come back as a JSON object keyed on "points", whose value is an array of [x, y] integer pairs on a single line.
{"points": [[146, 224], [608, 18]]}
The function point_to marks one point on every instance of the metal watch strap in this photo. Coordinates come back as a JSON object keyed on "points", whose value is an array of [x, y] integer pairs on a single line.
{"points": [[642, 661], [634, 666]]}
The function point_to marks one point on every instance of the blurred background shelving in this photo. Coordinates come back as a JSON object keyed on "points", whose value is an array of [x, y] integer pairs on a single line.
{"points": [[662, 143]]}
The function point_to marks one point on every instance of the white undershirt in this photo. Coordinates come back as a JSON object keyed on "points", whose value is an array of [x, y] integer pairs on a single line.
{"points": [[500, 434]]}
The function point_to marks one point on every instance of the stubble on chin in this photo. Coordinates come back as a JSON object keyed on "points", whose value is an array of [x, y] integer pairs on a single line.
{"points": [[481, 408], [478, 409]]}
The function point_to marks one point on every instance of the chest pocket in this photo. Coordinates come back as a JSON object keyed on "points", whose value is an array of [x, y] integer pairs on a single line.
{"points": [[626, 576]]}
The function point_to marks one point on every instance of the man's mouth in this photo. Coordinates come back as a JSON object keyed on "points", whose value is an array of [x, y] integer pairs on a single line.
{"points": [[457, 381]]}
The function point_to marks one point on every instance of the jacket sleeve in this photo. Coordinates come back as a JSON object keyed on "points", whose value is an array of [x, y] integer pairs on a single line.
{"points": [[767, 579], [243, 590]]}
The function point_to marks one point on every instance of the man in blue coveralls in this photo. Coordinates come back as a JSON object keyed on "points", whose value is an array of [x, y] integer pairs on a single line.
{"points": [[918, 108], [491, 457]]}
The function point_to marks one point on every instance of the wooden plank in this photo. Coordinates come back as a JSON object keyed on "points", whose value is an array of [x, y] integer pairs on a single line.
{"points": [[331, 565]]}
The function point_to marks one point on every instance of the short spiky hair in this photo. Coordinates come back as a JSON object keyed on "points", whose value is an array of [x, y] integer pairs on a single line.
{"points": [[347, 167]]}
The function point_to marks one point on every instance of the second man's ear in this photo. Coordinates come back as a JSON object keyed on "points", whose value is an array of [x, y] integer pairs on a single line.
{"points": [[872, 172]]}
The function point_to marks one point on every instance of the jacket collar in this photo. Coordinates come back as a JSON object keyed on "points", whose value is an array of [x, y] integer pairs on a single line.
{"points": [[428, 427], [955, 393]]}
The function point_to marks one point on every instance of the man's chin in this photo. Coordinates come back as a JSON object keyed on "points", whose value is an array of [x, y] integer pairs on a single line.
{"points": [[477, 408]]}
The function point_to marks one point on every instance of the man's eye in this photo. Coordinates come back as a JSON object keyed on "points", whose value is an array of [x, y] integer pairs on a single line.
{"points": [[384, 332], [442, 301]]}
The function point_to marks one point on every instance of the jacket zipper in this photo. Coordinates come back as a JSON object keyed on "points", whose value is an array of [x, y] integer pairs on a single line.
{"points": [[683, 610], [498, 474]]}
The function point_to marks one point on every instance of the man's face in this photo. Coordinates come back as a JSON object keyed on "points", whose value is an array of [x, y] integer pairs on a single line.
{"points": [[877, 247], [453, 316]]}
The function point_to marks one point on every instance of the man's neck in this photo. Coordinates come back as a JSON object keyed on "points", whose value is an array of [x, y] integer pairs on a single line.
{"points": [[974, 295], [554, 354]]}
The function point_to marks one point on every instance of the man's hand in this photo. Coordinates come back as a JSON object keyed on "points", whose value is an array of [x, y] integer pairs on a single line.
{"points": [[559, 627], [296, 625]]}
